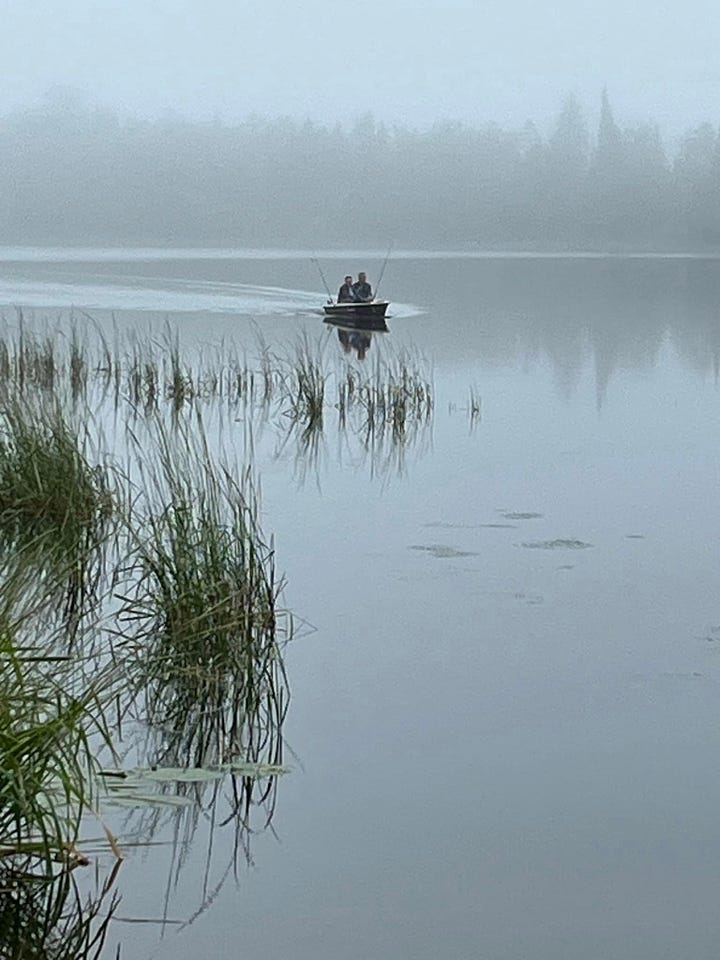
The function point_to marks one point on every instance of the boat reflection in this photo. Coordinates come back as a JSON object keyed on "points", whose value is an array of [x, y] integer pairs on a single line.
{"points": [[357, 337]]}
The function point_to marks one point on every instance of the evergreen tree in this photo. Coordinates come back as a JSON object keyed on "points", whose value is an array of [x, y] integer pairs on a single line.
{"points": [[569, 140], [609, 152]]}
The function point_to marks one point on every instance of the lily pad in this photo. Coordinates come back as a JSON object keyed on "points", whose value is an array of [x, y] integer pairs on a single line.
{"points": [[147, 800]]}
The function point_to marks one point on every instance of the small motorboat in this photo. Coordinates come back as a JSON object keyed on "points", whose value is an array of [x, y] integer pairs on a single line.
{"points": [[371, 312]]}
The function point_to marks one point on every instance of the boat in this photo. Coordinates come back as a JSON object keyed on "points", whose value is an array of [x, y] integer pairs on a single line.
{"points": [[371, 312]]}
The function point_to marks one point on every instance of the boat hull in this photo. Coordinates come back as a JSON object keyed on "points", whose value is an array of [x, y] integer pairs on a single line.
{"points": [[372, 312]]}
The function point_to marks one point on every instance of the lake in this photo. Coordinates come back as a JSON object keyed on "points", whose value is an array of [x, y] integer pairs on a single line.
{"points": [[503, 731]]}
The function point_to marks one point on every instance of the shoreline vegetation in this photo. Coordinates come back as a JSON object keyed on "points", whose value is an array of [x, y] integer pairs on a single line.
{"points": [[87, 175], [142, 624]]}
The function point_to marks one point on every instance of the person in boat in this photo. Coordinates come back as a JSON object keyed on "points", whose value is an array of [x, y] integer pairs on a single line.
{"points": [[362, 289], [346, 293]]}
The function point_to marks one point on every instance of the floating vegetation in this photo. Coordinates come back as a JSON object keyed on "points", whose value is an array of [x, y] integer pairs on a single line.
{"points": [[531, 599], [442, 551], [556, 545], [474, 407]]}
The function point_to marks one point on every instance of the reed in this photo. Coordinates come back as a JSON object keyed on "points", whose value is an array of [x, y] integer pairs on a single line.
{"points": [[202, 611], [305, 386], [48, 716], [56, 507]]}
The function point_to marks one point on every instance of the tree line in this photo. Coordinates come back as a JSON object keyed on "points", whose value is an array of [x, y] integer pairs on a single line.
{"points": [[72, 174]]}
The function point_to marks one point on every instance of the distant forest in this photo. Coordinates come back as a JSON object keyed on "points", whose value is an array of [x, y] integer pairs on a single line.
{"points": [[77, 175]]}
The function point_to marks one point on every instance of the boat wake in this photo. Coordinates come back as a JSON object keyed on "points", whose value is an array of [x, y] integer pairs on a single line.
{"points": [[173, 296], [163, 295]]}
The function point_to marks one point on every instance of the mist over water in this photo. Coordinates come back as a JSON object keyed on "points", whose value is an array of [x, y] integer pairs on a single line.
{"points": [[75, 175]]}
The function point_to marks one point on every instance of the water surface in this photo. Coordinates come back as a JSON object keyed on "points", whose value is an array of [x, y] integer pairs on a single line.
{"points": [[505, 718]]}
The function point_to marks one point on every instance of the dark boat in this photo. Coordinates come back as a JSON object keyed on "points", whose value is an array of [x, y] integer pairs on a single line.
{"points": [[372, 312]]}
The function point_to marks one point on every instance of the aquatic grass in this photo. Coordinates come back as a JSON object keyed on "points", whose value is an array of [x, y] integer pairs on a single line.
{"points": [[305, 383], [47, 484], [202, 610], [77, 365], [48, 717], [54, 502], [149, 372], [396, 395], [43, 919]]}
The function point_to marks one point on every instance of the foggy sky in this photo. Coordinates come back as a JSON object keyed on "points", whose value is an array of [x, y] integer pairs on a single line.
{"points": [[404, 61]]}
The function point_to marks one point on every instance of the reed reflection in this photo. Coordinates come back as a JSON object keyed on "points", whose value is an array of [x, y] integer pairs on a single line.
{"points": [[53, 918]]}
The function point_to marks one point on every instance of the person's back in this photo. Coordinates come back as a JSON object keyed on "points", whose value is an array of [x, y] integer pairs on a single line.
{"points": [[346, 293], [362, 289]]}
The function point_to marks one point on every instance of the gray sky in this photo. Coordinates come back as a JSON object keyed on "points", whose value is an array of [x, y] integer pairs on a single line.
{"points": [[407, 61]]}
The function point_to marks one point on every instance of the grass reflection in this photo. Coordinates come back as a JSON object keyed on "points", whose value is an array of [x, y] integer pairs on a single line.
{"points": [[51, 918]]}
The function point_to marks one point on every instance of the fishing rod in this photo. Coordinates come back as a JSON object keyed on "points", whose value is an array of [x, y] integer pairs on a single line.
{"points": [[322, 277], [382, 271]]}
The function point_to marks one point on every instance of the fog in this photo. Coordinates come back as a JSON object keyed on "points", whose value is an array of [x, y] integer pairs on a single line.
{"points": [[78, 174], [452, 123], [404, 62]]}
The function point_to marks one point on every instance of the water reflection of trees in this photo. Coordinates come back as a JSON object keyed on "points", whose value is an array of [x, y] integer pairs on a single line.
{"points": [[576, 315]]}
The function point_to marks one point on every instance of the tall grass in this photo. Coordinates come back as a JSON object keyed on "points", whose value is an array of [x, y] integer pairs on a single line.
{"points": [[202, 611], [49, 714], [55, 505]]}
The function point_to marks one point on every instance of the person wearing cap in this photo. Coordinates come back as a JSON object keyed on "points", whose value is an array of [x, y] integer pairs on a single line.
{"points": [[346, 293], [362, 289]]}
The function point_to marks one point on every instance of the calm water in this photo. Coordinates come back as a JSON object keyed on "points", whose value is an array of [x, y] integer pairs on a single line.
{"points": [[506, 719]]}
